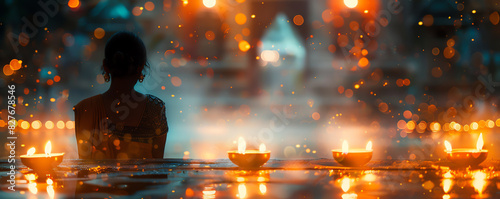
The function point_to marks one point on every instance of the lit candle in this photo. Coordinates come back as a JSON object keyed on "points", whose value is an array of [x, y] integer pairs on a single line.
{"points": [[467, 156], [353, 157], [42, 163], [249, 158]]}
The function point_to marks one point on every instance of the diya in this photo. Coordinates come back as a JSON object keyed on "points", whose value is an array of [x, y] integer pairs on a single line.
{"points": [[249, 159], [467, 156], [42, 163], [353, 157]]}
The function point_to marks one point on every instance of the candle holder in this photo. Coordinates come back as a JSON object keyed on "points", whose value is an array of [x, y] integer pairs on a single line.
{"points": [[467, 157], [250, 159], [353, 158], [42, 163]]}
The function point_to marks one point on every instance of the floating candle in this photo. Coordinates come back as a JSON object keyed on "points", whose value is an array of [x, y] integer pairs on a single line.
{"points": [[42, 163], [467, 156], [353, 157], [249, 158]]}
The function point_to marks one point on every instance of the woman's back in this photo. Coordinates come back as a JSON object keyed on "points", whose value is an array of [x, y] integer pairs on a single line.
{"points": [[122, 123], [100, 137]]}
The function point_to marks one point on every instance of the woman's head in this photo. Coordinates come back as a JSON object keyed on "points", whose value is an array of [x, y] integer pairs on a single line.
{"points": [[125, 55]]}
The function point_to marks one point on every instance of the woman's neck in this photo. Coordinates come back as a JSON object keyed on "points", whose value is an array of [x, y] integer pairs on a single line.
{"points": [[121, 86]]}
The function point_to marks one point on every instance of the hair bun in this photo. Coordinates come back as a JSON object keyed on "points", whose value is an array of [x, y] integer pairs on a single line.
{"points": [[119, 58]]}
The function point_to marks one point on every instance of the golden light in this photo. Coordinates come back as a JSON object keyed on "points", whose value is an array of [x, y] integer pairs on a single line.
{"points": [[262, 188], [25, 125], [490, 123], [70, 124], [60, 124], [351, 3], [50, 191], [209, 192], [448, 175], [48, 148], [270, 55], [447, 145], [49, 124], [244, 45], [242, 145], [474, 125], [370, 177], [262, 147], [32, 188], [49, 181], [345, 147], [480, 142], [240, 18], [369, 146], [346, 184], [73, 3], [479, 182], [31, 151], [30, 177], [349, 196], [242, 191], [447, 185], [36, 124], [209, 3]]}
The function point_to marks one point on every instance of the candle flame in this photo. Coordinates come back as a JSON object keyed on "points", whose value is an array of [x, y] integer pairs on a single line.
{"points": [[242, 191], [369, 146], [48, 148], [345, 147], [447, 145], [351, 3], [480, 142], [242, 145], [31, 151], [346, 184], [262, 147]]}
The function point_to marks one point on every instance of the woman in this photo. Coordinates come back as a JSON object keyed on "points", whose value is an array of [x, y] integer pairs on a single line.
{"points": [[122, 123]]}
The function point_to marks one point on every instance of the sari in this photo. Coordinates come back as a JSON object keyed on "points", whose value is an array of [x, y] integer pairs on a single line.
{"points": [[99, 138]]}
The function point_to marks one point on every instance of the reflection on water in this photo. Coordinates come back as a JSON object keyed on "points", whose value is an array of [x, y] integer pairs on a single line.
{"points": [[262, 188], [137, 181], [479, 182], [209, 193], [346, 185], [242, 191]]}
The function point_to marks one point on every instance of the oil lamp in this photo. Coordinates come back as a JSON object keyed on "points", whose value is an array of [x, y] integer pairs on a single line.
{"points": [[42, 163], [467, 156], [249, 158], [353, 157]]}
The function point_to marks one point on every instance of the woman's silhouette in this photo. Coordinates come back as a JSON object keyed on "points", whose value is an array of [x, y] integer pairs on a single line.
{"points": [[122, 123]]}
